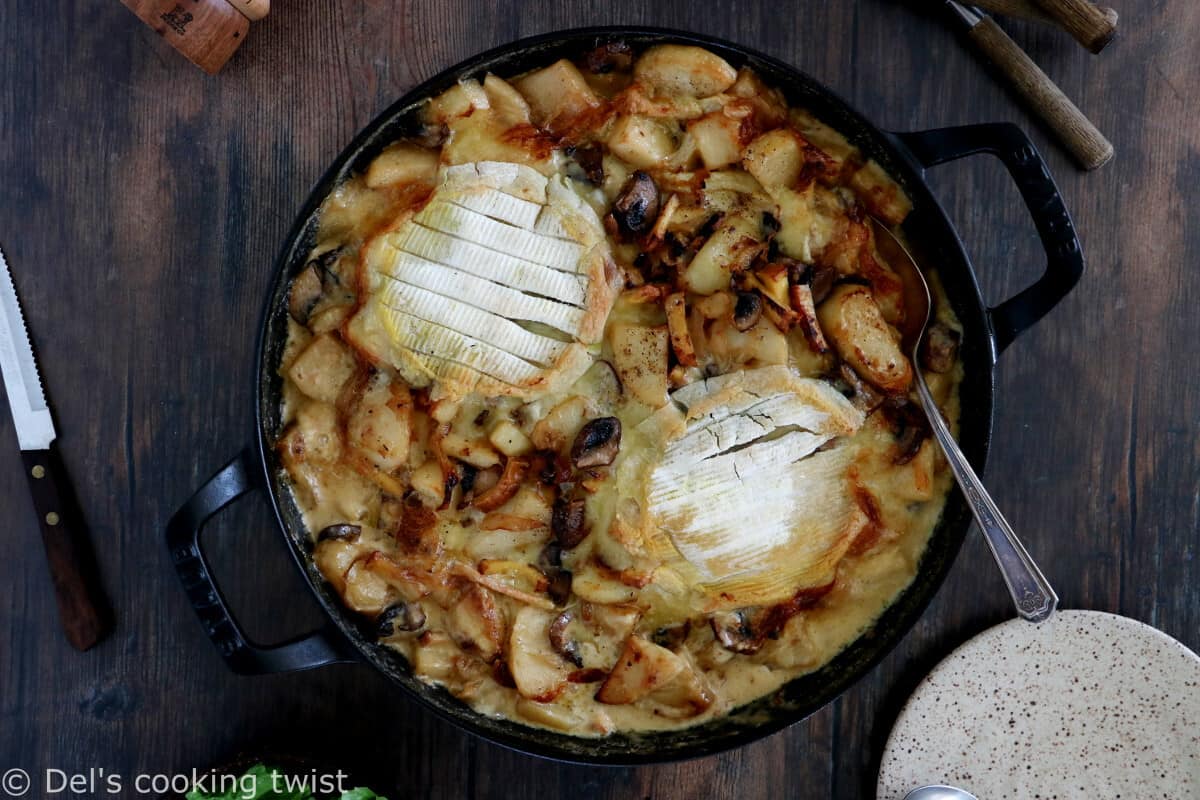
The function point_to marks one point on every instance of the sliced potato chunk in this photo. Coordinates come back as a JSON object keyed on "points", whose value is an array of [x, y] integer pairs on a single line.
{"points": [[323, 368], [852, 319], [641, 668], [379, 425], [402, 163], [640, 358], [730, 249], [641, 141], [557, 95], [681, 339], [539, 672], [775, 158], [684, 70], [476, 623], [718, 139], [509, 439]]}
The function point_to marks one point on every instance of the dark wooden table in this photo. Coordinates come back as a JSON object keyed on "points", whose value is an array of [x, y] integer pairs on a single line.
{"points": [[142, 207]]}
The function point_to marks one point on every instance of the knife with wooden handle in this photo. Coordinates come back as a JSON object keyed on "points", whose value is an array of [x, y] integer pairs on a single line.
{"points": [[1076, 132], [81, 603]]}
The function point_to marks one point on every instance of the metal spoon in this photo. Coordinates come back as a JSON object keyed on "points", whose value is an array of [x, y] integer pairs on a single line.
{"points": [[1031, 592], [939, 792]]}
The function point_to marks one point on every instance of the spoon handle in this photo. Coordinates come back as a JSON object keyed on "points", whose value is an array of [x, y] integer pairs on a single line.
{"points": [[1031, 592]]}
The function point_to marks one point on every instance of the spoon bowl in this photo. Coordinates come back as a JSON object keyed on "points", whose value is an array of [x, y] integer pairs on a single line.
{"points": [[1032, 595], [939, 792]]}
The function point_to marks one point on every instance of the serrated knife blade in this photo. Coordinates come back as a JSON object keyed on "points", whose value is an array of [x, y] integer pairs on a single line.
{"points": [[81, 603], [23, 384]]}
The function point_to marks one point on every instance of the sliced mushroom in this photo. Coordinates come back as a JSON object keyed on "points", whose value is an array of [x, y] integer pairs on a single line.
{"points": [[342, 532], [597, 443], [735, 631], [747, 310], [866, 397], [636, 207], [589, 158], [568, 522], [562, 643], [608, 57], [940, 348], [400, 617], [910, 426], [306, 292]]}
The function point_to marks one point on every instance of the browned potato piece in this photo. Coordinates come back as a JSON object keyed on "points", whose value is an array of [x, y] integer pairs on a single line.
{"points": [[851, 318], [683, 69], [508, 106], [476, 623], [775, 158], [539, 672], [681, 339], [323, 368], [641, 141], [640, 358], [561, 424], [557, 94], [730, 249], [380, 422], [366, 591], [718, 139], [641, 668], [460, 100], [882, 196], [402, 163], [333, 558], [316, 435]]}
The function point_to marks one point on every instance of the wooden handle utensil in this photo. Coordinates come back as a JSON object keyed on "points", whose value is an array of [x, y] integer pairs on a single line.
{"points": [[1090, 25], [253, 10], [1073, 128], [207, 32], [1030, 10]]}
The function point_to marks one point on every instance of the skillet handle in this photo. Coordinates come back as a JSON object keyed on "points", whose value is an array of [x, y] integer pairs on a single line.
{"points": [[316, 649], [1025, 164]]}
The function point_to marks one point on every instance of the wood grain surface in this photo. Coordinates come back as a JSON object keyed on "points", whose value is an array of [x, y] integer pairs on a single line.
{"points": [[143, 206]]}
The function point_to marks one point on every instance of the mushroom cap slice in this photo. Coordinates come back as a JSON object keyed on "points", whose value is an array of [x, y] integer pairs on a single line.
{"points": [[501, 283]]}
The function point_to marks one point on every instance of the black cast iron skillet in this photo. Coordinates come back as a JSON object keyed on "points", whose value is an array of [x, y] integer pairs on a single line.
{"points": [[987, 332]]}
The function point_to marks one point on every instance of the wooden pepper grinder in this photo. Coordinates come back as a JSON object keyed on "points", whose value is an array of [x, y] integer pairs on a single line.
{"points": [[207, 32]]}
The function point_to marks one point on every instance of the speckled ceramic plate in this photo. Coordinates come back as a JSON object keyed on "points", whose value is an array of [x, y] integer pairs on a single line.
{"points": [[1085, 705]]}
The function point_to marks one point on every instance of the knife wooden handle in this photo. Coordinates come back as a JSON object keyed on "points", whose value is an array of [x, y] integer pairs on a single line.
{"points": [[1090, 26], [81, 603], [1074, 130], [1029, 9], [206, 32]]}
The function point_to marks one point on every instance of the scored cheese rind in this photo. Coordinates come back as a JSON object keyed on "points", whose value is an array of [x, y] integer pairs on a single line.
{"points": [[441, 248], [484, 294], [501, 283], [461, 223], [750, 492], [464, 318]]}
